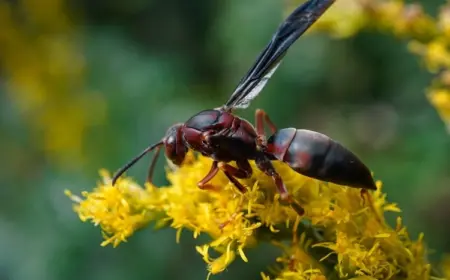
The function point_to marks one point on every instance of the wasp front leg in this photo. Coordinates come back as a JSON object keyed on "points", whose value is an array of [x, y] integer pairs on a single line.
{"points": [[244, 171], [204, 183]]}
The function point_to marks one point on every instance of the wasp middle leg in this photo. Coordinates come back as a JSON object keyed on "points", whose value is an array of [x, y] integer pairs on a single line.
{"points": [[243, 171]]}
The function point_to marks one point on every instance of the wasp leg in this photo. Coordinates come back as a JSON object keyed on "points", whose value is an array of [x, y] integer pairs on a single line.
{"points": [[363, 194], [260, 117], [242, 189], [152, 165], [244, 170], [266, 166], [367, 198], [235, 182], [203, 183]]}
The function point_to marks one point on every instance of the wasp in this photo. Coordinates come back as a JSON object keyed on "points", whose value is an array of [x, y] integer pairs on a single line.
{"points": [[224, 137]]}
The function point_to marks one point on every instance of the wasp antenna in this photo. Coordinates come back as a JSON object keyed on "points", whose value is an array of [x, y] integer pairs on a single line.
{"points": [[152, 165], [134, 160]]}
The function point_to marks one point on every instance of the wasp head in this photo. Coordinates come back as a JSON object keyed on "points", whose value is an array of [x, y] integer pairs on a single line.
{"points": [[175, 148]]}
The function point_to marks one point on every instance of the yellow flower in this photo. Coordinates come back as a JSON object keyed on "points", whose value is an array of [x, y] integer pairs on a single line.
{"points": [[119, 210], [444, 20], [440, 99], [435, 53], [344, 19], [219, 264], [44, 69], [446, 267], [296, 261], [336, 219], [404, 20]]}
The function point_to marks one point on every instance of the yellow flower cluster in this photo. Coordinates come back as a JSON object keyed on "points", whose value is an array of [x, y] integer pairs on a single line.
{"points": [[341, 234], [446, 267], [428, 37], [44, 70]]}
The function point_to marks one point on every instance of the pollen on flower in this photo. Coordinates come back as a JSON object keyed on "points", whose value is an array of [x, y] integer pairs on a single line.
{"points": [[349, 232]]}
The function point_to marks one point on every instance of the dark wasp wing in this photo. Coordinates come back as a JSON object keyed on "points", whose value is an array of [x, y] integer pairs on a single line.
{"points": [[270, 58]]}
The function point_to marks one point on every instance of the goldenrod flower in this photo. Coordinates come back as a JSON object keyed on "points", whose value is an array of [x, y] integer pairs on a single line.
{"points": [[119, 210], [440, 98], [340, 222], [44, 72], [435, 53], [344, 19]]}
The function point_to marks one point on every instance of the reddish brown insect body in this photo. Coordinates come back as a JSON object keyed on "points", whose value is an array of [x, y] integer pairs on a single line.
{"points": [[201, 131], [224, 137]]}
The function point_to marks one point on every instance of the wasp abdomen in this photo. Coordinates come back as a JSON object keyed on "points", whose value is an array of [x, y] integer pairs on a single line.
{"points": [[278, 144], [317, 156]]}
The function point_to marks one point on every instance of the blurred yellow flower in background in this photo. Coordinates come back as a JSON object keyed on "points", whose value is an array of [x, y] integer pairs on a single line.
{"points": [[44, 67], [427, 37], [440, 98]]}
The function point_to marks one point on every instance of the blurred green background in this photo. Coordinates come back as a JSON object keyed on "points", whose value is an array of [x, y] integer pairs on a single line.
{"points": [[86, 85]]}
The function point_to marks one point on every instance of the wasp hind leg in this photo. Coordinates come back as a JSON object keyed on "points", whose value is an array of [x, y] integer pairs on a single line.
{"points": [[261, 117], [367, 199], [266, 166]]}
